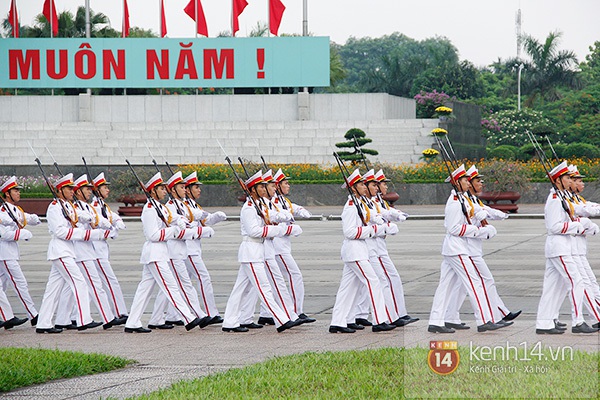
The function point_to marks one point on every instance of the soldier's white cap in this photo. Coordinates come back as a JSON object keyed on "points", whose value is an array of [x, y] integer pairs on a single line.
{"points": [[559, 170], [155, 181], [457, 174], [279, 176], [369, 176], [473, 173], [380, 176], [268, 177], [66, 180], [254, 179], [192, 179], [100, 180], [11, 183], [354, 178], [574, 172], [175, 179], [81, 182]]}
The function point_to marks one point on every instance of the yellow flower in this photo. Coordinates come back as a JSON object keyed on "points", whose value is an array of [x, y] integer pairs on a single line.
{"points": [[443, 110], [439, 132], [430, 152]]}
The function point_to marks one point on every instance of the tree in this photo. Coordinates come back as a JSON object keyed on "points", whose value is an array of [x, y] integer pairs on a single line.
{"points": [[590, 68], [547, 70], [356, 138]]}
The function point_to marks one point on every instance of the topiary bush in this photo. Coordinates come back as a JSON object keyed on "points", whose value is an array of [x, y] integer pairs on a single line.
{"points": [[581, 150], [504, 152]]}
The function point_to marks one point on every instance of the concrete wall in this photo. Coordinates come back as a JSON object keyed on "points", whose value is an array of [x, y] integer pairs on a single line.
{"points": [[299, 128]]}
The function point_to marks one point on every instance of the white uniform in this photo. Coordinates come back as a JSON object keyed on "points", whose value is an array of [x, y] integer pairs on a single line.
{"points": [[357, 271], [85, 257], [156, 270], [562, 272], [252, 274], [457, 267], [283, 255], [105, 270], [195, 265], [177, 255], [493, 301], [10, 270], [6, 311], [64, 270]]}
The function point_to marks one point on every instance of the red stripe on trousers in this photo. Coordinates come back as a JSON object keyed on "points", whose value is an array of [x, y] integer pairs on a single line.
{"points": [[169, 292], [112, 293], [591, 305], [75, 289], [262, 294], [187, 299], [472, 287], [17, 290], [95, 292], [370, 292], [572, 285], [484, 289], [390, 282], [201, 285], [291, 282], [277, 289]]}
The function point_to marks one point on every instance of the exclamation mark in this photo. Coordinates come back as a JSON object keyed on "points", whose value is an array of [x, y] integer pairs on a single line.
{"points": [[260, 59]]}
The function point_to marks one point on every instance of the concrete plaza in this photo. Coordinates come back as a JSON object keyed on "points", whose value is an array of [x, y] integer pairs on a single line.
{"points": [[515, 256]]}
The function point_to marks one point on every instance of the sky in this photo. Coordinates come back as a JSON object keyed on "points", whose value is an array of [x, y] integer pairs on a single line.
{"points": [[481, 30]]}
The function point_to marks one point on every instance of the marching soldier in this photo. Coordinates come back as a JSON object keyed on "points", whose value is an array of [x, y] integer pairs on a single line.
{"points": [[159, 226], [177, 254], [196, 267], [358, 225], [105, 270], [14, 220], [283, 247], [561, 269], [456, 268], [62, 225], [7, 318], [252, 274], [500, 313]]}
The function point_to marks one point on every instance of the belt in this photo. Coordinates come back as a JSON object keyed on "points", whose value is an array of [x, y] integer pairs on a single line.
{"points": [[253, 239]]}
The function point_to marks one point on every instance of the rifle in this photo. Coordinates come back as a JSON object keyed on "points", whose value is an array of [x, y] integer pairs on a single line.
{"points": [[55, 163], [364, 158], [148, 195], [342, 168], [547, 167], [448, 163], [95, 191], [65, 212], [12, 216], [179, 210], [243, 185], [277, 191]]}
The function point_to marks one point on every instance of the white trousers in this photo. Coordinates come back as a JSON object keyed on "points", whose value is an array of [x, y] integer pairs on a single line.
{"points": [[199, 273], [64, 271], [113, 288], [561, 274], [591, 292], [251, 276], [12, 275], [187, 290], [157, 273], [454, 271], [291, 272], [493, 301], [355, 275], [6, 311]]}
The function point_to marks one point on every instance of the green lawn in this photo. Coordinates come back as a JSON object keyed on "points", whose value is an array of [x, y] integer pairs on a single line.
{"points": [[393, 373], [27, 366]]}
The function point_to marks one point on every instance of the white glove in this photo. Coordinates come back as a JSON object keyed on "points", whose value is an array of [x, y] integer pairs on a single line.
{"points": [[119, 224], [85, 217], [281, 230], [391, 229], [113, 234], [578, 226], [281, 216], [487, 232], [97, 234], [103, 223], [377, 219], [302, 212], [296, 230], [33, 219], [24, 234], [207, 232], [172, 232], [181, 223], [218, 216], [481, 215], [378, 230]]}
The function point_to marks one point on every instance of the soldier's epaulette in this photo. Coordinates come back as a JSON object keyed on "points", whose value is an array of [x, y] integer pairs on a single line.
{"points": [[171, 202], [350, 203], [455, 198], [54, 202], [554, 195], [96, 204], [2, 208], [149, 205], [249, 203], [276, 200]]}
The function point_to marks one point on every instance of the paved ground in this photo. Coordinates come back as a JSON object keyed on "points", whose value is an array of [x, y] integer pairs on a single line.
{"points": [[515, 256]]}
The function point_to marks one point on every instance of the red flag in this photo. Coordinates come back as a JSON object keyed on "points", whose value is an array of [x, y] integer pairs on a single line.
{"points": [[276, 9], [13, 18], [126, 26], [238, 8], [163, 20], [51, 15], [190, 9]]}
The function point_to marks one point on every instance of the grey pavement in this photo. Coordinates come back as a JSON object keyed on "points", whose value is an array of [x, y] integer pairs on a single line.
{"points": [[515, 255]]}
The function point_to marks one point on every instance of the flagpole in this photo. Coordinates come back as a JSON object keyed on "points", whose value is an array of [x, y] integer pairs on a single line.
{"points": [[305, 25], [196, 12], [123, 22], [51, 19], [232, 11], [160, 27], [269, 19], [15, 27]]}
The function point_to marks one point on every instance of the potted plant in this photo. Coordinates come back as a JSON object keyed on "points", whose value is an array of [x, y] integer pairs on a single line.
{"points": [[428, 155], [444, 113], [505, 181]]}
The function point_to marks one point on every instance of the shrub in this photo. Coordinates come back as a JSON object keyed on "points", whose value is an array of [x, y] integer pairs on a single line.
{"points": [[581, 150], [427, 102], [503, 152], [514, 126], [505, 176]]}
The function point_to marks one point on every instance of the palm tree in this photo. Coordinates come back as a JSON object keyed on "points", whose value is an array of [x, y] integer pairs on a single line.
{"points": [[548, 70]]}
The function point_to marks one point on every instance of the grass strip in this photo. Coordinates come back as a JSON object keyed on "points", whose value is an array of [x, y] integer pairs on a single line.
{"points": [[392, 373], [29, 366]]}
